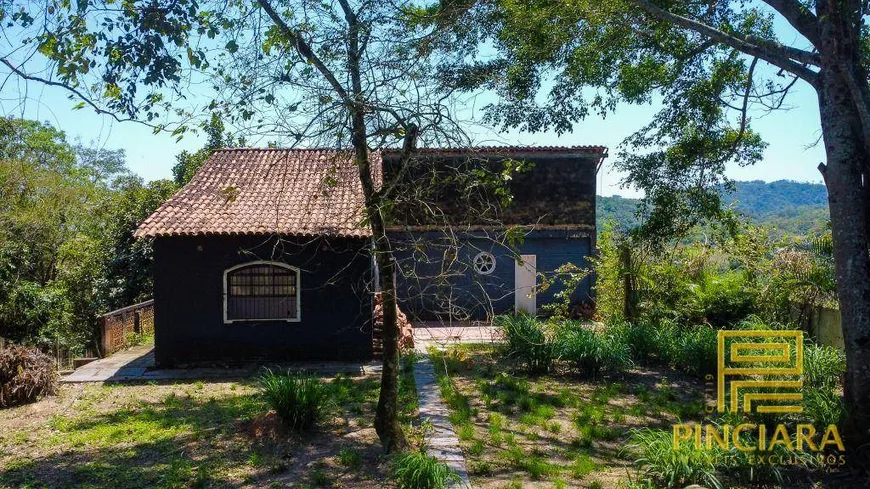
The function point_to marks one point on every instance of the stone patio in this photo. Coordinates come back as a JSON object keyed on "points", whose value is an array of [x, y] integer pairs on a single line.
{"points": [[441, 334], [137, 364]]}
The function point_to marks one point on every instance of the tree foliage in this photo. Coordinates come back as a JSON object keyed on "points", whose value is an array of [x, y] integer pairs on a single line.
{"points": [[552, 71], [304, 72], [67, 251], [188, 163]]}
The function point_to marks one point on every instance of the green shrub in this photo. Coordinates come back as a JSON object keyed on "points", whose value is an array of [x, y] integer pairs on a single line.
{"points": [[695, 351], [349, 458], [823, 367], [674, 468], [756, 323], [592, 352], [640, 339], [527, 341], [691, 349], [417, 470], [722, 298], [299, 399], [823, 407], [26, 374]]}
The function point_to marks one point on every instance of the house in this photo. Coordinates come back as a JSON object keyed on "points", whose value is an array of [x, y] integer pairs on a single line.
{"points": [[475, 256], [264, 255]]}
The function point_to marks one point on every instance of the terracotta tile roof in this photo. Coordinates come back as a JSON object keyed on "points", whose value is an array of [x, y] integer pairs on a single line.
{"points": [[517, 150], [305, 192], [267, 191]]}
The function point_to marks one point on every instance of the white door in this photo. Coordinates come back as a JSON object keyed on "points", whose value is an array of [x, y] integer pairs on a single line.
{"points": [[525, 273]]}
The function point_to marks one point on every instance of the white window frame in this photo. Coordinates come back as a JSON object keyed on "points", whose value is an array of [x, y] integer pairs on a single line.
{"points": [[481, 255], [298, 317]]}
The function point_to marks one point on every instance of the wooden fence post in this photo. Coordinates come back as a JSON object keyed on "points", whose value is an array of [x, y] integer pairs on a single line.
{"points": [[629, 283]]}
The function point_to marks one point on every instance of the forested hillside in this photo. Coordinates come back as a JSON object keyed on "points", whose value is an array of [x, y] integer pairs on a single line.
{"points": [[793, 208], [67, 252], [67, 217]]}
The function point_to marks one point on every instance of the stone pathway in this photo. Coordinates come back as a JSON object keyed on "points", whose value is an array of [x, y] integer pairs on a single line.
{"points": [[433, 333], [137, 364], [129, 363], [443, 443]]}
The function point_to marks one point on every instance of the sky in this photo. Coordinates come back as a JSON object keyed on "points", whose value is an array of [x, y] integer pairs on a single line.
{"points": [[793, 153], [791, 134]]}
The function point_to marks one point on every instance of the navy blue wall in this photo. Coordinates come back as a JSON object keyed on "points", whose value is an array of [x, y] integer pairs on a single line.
{"points": [[188, 301], [432, 282]]}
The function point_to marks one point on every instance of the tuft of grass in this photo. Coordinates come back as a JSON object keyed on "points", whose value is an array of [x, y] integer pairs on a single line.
{"points": [[299, 399], [465, 432], [592, 352], [823, 367], [350, 458], [582, 466], [496, 421], [539, 468], [460, 408], [527, 341], [674, 467], [479, 467], [589, 414], [531, 463], [553, 427], [823, 407], [476, 448], [417, 470], [318, 478]]}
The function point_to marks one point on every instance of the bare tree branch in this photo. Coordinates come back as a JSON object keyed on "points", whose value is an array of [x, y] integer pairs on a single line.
{"points": [[74, 91], [789, 59], [799, 17], [304, 50]]}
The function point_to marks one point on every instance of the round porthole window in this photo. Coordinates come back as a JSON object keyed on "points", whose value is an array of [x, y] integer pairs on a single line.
{"points": [[484, 263]]}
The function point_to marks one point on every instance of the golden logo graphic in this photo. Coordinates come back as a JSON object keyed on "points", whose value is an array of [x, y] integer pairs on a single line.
{"points": [[764, 367]]}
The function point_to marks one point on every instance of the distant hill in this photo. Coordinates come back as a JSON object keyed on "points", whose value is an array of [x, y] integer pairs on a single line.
{"points": [[793, 208]]}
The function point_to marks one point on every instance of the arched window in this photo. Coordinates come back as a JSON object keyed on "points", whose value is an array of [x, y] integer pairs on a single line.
{"points": [[261, 291]]}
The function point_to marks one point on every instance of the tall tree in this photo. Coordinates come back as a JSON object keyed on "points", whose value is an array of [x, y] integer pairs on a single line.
{"points": [[67, 254], [711, 64], [339, 73]]}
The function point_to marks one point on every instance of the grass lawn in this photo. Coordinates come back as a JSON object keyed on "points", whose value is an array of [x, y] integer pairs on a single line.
{"points": [[555, 431], [190, 434]]}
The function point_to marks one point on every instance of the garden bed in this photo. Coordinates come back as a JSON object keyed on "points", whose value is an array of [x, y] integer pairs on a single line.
{"points": [[560, 429]]}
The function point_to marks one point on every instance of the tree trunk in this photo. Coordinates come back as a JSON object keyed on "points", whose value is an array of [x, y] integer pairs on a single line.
{"points": [[387, 417], [387, 414], [847, 156], [629, 283]]}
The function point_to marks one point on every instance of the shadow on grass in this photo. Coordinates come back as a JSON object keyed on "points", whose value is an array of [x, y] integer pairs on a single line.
{"points": [[595, 415], [186, 441]]}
